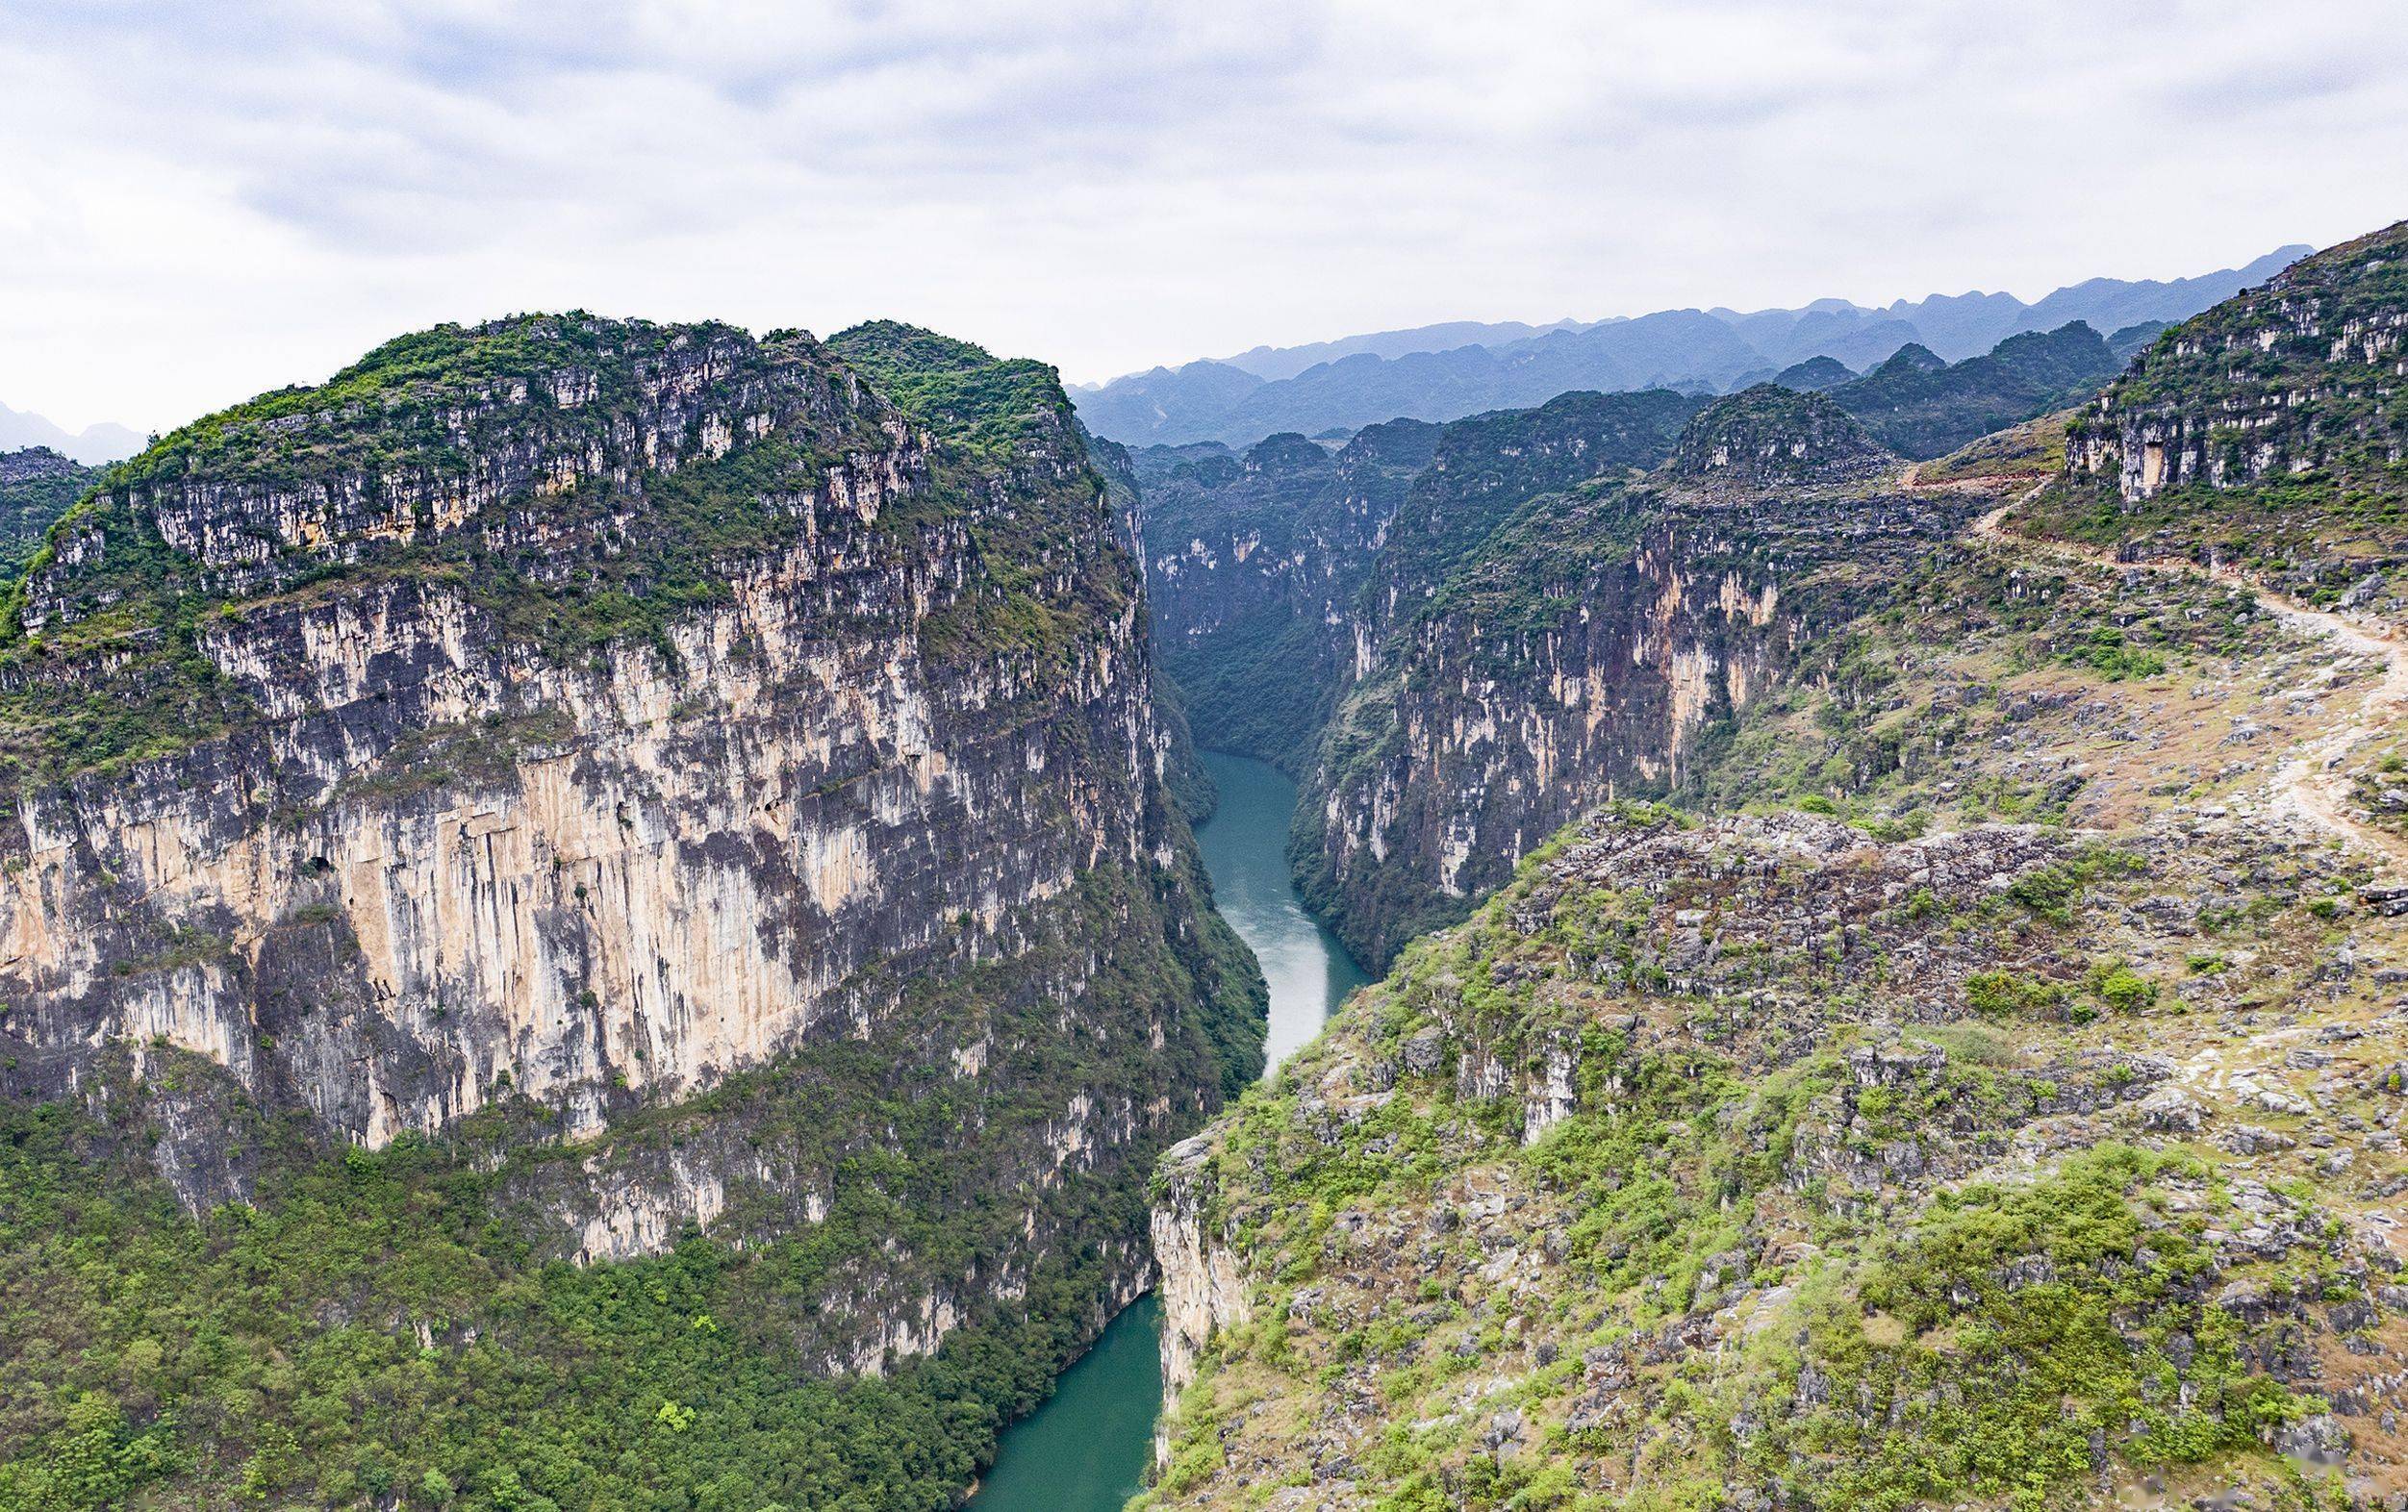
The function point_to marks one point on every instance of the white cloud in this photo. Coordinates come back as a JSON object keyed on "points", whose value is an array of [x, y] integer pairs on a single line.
{"points": [[211, 201]]}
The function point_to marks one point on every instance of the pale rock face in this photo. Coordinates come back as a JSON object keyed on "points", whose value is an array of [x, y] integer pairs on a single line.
{"points": [[1502, 736], [1609, 698], [634, 1220], [836, 891], [1197, 1275], [1555, 1097], [2300, 369], [439, 867], [612, 902]]}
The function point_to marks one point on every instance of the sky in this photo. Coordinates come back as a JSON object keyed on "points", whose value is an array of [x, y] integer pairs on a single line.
{"points": [[206, 201]]}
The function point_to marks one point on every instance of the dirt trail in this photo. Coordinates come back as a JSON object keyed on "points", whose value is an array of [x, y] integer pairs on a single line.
{"points": [[2311, 783]]}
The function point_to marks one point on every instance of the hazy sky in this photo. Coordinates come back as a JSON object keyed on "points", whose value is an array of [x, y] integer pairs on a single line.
{"points": [[208, 200]]}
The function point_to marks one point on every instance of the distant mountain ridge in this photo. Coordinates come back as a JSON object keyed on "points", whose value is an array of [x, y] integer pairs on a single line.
{"points": [[1920, 407], [93, 445], [1271, 363], [1446, 372]]}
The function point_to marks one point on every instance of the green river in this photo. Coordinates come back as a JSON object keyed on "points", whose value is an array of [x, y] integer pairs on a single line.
{"points": [[1086, 1448]]}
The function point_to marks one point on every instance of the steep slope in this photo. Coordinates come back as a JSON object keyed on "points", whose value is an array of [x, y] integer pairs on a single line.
{"points": [[1274, 576], [2129, 342], [1485, 470], [1578, 641], [1977, 1085], [37, 485], [1920, 407], [648, 798]]}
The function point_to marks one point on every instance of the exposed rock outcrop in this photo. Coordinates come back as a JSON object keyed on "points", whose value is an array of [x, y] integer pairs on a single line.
{"points": [[1596, 644], [736, 757], [1198, 1279], [2292, 379]]}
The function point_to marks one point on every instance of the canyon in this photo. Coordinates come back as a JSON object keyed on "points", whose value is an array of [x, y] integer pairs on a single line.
{"points": [[1973, 1080], [596, 914]]}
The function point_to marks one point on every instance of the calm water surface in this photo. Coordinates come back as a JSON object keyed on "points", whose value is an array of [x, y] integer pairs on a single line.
{"points": [[1086, 1448], [1245, 849]]}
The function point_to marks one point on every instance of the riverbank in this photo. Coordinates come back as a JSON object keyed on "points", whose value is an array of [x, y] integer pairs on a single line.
{"points": [[1086, 1450]]}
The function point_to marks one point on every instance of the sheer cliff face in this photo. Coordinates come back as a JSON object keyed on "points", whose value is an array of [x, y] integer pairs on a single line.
{"points": [[1586, 644], [2284, 381], [568, 715]]}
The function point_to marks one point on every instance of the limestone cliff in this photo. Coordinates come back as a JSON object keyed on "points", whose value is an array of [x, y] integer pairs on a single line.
{"points": [[2285, 381], [1255, 564], [1595, 643], [2268, 428], [734, 757]]}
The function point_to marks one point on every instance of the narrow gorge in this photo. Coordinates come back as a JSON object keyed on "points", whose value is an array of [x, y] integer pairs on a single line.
{"points": [[611, 917], [1088, 1448], [1951, 1056]]}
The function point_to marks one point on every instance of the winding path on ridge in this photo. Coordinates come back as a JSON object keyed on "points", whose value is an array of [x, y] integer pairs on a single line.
{"points": [[2310, 784]]}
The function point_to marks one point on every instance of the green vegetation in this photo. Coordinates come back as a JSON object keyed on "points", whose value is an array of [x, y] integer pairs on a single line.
{"points": [[2033, 449], [1488, 470], [393, 1325], [1262, 681], [1742, 1257], [612, 558], [2052, 891], [989, 408], [1752, 1164], [153, 1359], [2107, 652], [615, 555], [1999, 992], [2003, 1384], [1920, 407], [36, 486], [1770, 435], [386, 1324], [2248, 475]]}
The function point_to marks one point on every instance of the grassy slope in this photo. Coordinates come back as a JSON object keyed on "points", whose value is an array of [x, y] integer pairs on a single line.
{"points": [[1674, 1293]]}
